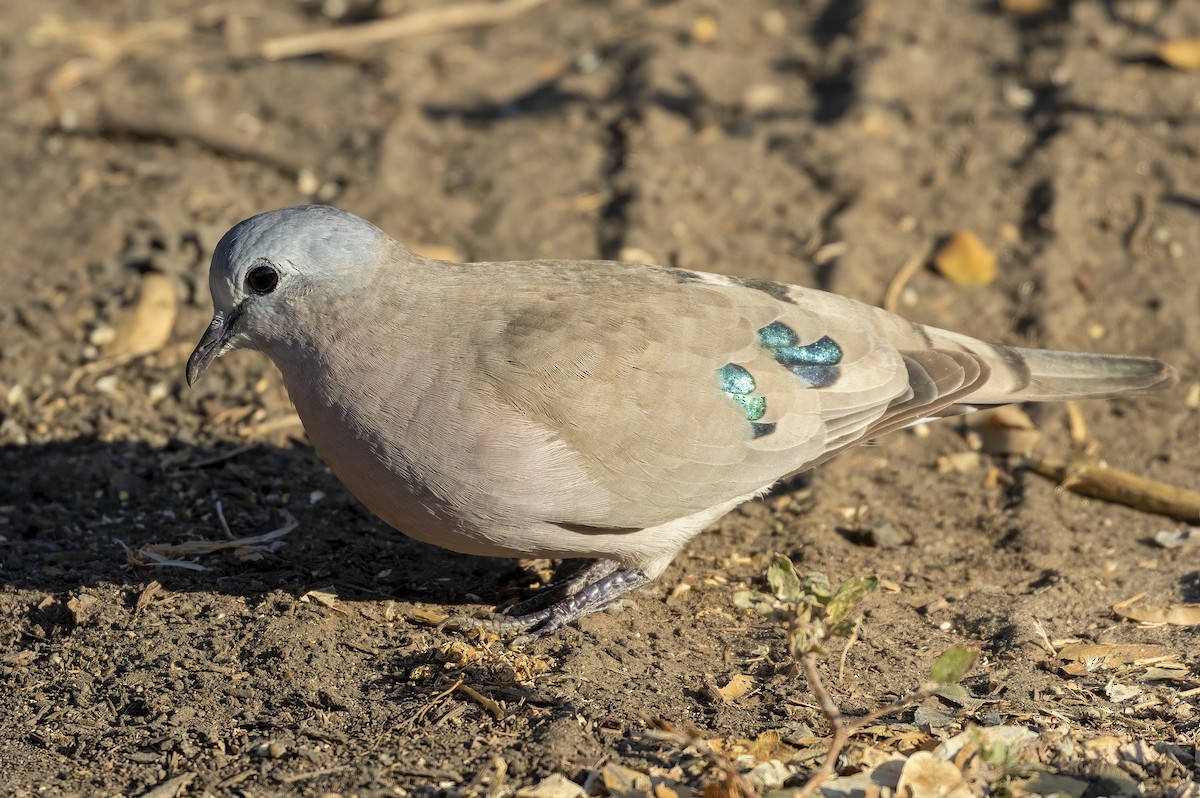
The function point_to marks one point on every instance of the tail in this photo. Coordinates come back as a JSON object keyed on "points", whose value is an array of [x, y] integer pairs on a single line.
{"points": [[1042, 375], [1057, 376]]}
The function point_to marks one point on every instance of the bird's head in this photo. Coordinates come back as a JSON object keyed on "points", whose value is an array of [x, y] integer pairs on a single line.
{"points": [[274, 274]]}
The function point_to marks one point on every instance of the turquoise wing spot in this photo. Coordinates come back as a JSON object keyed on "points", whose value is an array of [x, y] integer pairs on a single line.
{"points": [[735, 380], [755, 407], [738, 384], [815, 363]]}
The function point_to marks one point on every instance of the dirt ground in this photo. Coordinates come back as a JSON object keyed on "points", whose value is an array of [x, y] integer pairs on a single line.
{"points": [[819, 143]]}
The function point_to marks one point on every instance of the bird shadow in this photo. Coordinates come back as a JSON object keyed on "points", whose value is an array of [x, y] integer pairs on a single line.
{"points": [[71, 513]]}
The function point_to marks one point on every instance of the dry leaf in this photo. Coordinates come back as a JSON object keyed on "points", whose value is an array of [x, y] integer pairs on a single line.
{"points": [[663, 790], [1103, 748], [1181, 53], [965, 260], [926, 776], [961, 462], [145, 326], [770, 746], [1119, 693], [325, 598], [148, 593], [556, 786], [427, 617], [1006, 430], [620, 780], [1113, 655], [1173, 614], [737, 687]]}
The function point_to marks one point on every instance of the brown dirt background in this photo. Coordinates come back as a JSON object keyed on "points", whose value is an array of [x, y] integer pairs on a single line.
{"points": [[819, 143]]}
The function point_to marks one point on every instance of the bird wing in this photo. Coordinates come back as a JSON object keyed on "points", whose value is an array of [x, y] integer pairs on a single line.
{"points": [[676, 391]]}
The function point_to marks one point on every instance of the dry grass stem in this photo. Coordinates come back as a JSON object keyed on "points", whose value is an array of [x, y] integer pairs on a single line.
{"points": [[418, 23]]}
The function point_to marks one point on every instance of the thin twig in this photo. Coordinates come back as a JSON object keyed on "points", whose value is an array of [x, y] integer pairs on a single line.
{"points": [[221, 517], [479, 698], [1112, 484], [891, 297], [841, 730], [215, 459], [1147, 203], [418, 23], [432, 703], [271, 426], [833, 717], [1076, 423]]}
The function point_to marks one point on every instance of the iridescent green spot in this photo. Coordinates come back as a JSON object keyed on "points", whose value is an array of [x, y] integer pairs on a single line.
{"points": [[815, 363], [735, 379], [738, 384], [777, 334], [754, 406]]}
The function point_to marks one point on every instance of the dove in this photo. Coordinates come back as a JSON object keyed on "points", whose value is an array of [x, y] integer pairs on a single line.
{"points": [[587, 409]]}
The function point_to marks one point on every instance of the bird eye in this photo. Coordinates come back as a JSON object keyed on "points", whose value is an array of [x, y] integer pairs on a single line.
{"points": [[262, 279]]}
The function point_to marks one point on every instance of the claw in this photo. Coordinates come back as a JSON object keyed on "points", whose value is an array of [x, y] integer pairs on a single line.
{"points": [[584, 599]]}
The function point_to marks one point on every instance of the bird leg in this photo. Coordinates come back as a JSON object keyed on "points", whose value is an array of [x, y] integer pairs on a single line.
{"points": [[591, 571], [586, 600]]}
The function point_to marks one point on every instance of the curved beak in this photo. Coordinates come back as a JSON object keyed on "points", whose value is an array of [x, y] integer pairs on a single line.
{"points": [[214, 343]]}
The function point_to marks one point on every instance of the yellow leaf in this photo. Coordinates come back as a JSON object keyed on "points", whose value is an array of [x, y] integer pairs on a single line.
{"points": [[145, 326], [1181, 53], [965, 260], [738, 686], [704, 29]]}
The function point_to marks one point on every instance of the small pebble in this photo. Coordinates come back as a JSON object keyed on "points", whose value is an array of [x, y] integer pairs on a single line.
{"points": [[704, 29], [158, 391], [774, 22], [101, 335]]}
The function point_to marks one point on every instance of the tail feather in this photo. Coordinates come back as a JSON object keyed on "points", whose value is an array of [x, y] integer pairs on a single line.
{"points": [[1019, 374], [1040, 375]]}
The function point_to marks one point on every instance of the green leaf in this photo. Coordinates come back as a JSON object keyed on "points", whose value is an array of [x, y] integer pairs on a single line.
{"points": [[803, 641], [816, 587], [843, 628], [953, 665], [783, 579], [849, 594], [753, 600]]}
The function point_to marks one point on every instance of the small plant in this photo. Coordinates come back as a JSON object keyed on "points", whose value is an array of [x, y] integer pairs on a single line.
{"points": [[815, 612]]}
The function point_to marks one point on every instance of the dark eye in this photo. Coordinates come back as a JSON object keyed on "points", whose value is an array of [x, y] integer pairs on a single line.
{"points": [[262, 279]]}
